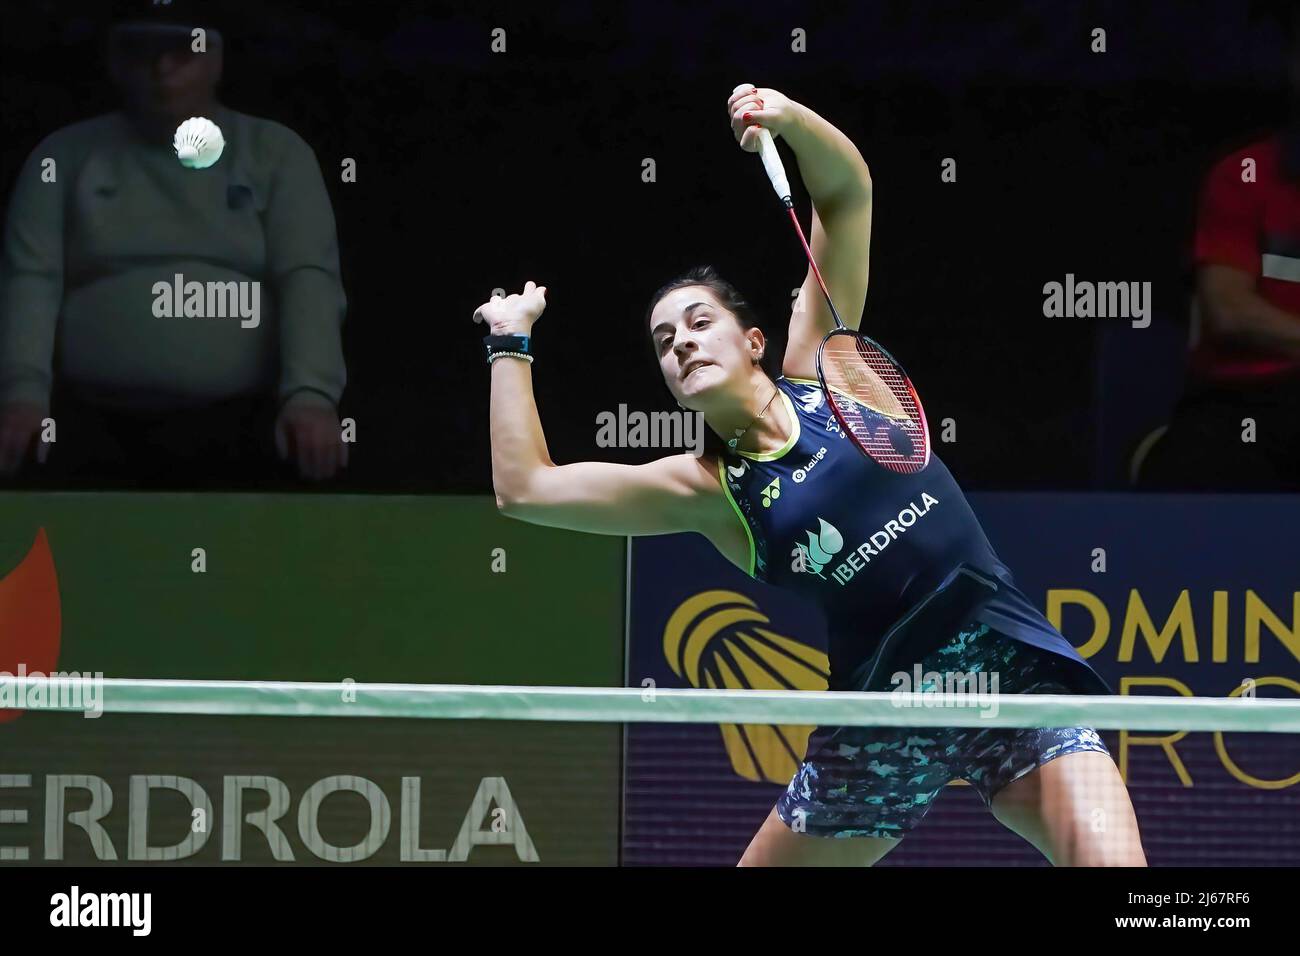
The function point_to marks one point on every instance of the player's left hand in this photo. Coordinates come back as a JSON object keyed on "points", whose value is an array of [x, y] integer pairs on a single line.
{"points": [[309, 434], [765, 108]]}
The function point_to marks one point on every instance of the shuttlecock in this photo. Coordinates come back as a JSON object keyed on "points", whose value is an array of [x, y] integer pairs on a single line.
{"points": [[198, 143]]}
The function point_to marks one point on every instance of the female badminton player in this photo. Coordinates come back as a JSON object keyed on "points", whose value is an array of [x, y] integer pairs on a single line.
{"points": [[887, 552]]}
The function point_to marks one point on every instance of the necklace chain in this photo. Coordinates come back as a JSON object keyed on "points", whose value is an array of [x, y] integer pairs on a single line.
{"points": [[732, 442]]}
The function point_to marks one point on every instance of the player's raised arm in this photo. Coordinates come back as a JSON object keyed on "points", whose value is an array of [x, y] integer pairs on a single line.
{"points": [[839, 184], [676, 493], [663, 497]]}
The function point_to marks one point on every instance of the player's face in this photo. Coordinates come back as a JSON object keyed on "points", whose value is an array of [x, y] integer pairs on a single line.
{"points": [[164, 75], [701, 346]]}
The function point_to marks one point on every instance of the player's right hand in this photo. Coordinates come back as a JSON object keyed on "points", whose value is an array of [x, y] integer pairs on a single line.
{"points": [[20, 422], [752, 108], [514, 314]]}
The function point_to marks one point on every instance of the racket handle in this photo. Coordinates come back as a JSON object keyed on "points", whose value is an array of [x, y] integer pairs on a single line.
{"points": [[772, 163]]}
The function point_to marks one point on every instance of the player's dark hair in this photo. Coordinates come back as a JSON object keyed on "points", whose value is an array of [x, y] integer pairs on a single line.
{"points": [[727, 294], [731, 300]]}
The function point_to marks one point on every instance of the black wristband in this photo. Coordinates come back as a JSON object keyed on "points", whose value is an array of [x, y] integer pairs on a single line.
{"points": [[493, 344]]}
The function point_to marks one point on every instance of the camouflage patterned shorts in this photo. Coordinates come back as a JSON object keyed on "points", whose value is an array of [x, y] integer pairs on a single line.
{"points": [[880, 781]]}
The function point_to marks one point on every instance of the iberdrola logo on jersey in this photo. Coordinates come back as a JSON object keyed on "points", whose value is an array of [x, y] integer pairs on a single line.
{"points": [[820, 549]]}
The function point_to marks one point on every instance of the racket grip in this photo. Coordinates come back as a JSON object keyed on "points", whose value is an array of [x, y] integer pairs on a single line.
{"points": [[773, 165]]}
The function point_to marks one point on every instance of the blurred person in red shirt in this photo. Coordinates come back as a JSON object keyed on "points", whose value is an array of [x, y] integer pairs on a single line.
{"points": [[1246, 364]]}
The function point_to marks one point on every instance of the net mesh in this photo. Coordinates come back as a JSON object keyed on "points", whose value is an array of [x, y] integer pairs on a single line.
{"points": [[1191, 809], [195, 772]]}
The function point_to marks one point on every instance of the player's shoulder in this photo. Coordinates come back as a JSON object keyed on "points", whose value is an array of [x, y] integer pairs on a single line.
{"points": [[797, 385], [697, 473], [805, 394], [694, 486], [697, 479], [713, 484]]}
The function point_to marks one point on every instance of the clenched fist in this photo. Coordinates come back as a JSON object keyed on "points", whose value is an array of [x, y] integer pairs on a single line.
{"points": [[516, 313]]}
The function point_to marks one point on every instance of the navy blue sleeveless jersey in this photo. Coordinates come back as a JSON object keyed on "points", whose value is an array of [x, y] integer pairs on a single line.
{"points": [[867, 544]]}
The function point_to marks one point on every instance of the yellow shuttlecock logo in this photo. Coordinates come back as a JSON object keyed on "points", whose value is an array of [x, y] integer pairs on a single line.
{"points": [[718, 639]]}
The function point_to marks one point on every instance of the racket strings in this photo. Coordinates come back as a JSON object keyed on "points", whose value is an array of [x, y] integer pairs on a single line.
{"points": [[876, 384], [875, 403]]}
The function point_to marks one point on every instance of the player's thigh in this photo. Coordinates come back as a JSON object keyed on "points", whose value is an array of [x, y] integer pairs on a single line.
{"points": [[775, 844], [1075, 810]]}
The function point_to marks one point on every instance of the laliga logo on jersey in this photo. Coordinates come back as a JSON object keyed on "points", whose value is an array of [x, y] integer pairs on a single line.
{"points": [[722, 639], [801, 473]]}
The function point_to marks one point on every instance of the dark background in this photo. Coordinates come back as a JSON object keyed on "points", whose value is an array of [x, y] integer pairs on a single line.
{"points": [[481, 170]]}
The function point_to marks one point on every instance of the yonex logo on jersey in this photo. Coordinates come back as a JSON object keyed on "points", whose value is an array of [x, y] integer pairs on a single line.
{"points": [[877, 543], [772, 492], [820, 549], [801, 473]]}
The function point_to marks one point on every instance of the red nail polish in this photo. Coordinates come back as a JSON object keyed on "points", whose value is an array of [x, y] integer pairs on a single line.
{"points": [[745, 117]]}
